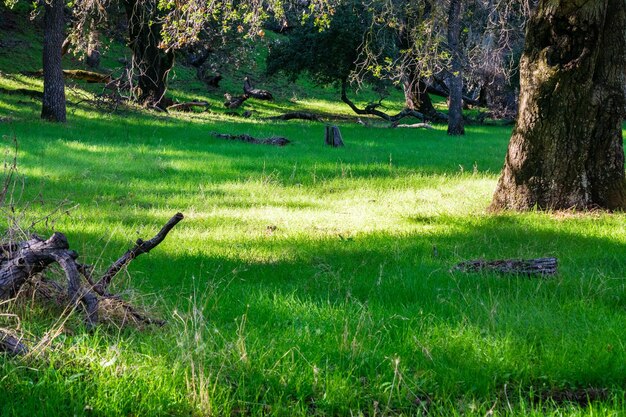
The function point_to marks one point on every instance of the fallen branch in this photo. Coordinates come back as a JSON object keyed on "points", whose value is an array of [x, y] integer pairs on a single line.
{"points": [[373, 111], [259, 94], [233, 102], [297, 115], [188, 106], [22, 263], [81, 75], [529, 267], [139, 248], [275, 140], [415, 126]]}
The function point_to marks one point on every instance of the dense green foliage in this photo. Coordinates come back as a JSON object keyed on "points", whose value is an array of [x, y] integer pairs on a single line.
{"points": [[306, 280], [329, 55]]}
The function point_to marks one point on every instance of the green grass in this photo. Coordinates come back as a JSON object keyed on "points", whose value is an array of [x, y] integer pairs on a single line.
{"points": [[345, 307], [306, 280]]}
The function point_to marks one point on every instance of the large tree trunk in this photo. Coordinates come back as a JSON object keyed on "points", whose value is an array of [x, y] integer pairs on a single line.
{"points": [[53, 103], [455, 103], [566, 150], [151, 63]]}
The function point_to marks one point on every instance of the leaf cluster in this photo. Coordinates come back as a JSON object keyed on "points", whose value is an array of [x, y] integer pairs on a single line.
{"points": [[327, 54]]}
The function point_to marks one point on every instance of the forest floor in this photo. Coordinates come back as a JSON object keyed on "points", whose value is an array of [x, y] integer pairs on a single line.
{"points": [[304, 280]]}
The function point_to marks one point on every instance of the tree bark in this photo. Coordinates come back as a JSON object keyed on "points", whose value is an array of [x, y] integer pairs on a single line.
{"points": [[455, 106], [151, 63], [53, 103], [566, 150], [332, 137], [416, 97]]}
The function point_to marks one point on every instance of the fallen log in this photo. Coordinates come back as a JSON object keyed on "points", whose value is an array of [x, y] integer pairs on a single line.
{"points": [[22, 263], [188, 106], [11, 343], [297, 115], [414, 126], [233, 102], [81, 75], [275, 140], [528, 267], [259, 94]]}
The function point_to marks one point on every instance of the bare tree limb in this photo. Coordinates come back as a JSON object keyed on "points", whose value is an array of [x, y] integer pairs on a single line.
{"points": [[373, 111], [140, 248]]}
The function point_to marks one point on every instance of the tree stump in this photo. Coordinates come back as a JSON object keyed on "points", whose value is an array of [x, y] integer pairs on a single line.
{"points": [[333, 137]]}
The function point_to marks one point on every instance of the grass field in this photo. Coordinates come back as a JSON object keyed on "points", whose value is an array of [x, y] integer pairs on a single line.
{"points": [[307, 280]]}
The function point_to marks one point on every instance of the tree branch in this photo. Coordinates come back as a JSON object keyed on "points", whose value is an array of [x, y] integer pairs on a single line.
{"points": [[373, 111], [140, 247]]}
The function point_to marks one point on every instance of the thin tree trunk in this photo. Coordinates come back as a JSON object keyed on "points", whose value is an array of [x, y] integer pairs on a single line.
{"points": [[566, 150], [53, 103], [455, 106]]}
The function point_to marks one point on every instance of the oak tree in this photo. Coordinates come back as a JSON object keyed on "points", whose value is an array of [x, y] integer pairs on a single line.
{"points": [[566, 150]]}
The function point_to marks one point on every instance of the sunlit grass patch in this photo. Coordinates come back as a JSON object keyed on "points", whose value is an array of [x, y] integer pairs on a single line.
{"points": [[307, 280]]}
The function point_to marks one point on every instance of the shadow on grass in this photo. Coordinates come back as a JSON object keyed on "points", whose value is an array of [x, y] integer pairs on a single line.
{"points": [[357, 304]]}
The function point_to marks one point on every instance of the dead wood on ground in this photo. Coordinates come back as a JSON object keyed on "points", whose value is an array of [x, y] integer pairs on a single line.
{"points": [[529, 267], [23, 263], [274, 140]]}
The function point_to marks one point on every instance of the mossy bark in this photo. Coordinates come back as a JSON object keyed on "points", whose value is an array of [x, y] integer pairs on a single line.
{"points": [[566, 151]]}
